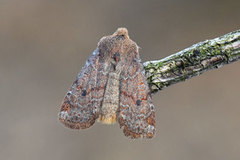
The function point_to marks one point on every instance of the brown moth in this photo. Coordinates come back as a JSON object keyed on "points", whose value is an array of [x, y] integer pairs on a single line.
{"points": [[111, 87]]}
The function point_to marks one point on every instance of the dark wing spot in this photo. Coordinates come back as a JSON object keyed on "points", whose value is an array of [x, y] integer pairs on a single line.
{"points": [[138, 102], [84, 93], [116, 57]]}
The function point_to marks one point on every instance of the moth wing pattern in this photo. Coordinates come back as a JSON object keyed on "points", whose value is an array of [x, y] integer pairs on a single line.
{"points": [[136, 111], [81, 105], [111, 87]]}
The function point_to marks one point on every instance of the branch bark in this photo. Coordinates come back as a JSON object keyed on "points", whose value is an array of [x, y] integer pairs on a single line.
{"points": [[193, 61]]}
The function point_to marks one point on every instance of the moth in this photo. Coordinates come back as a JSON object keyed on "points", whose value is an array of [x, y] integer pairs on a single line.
{"points": [[112, 87]]}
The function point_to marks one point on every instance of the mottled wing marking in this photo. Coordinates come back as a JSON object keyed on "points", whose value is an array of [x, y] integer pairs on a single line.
{"points": [[136, 111], [81, 105]]}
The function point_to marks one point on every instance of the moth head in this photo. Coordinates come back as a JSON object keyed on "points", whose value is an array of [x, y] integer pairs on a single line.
{"points": [[118, 42], [121, 32]]}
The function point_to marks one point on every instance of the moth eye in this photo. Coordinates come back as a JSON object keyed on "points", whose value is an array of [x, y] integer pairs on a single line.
{"points": [[84, 93], [138, 102], [116, 57]]}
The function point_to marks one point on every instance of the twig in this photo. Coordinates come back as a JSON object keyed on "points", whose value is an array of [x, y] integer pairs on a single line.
{"points": [[193, 61]]}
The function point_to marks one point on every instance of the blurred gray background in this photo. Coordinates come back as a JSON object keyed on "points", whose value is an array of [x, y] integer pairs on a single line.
{"points": [[45, 43]]}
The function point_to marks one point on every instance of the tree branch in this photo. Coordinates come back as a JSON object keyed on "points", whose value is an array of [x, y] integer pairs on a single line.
{"points": [[193, 61]]}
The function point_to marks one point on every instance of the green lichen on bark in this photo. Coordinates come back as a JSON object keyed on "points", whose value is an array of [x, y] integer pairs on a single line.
{"points": [[193, 61]]}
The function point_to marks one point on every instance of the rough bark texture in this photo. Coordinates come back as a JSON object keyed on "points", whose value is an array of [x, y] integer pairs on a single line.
{"points": [[193, 61]]}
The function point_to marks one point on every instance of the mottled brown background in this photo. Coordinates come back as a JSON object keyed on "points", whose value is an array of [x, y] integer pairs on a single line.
{"points": [[45, 43]]}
